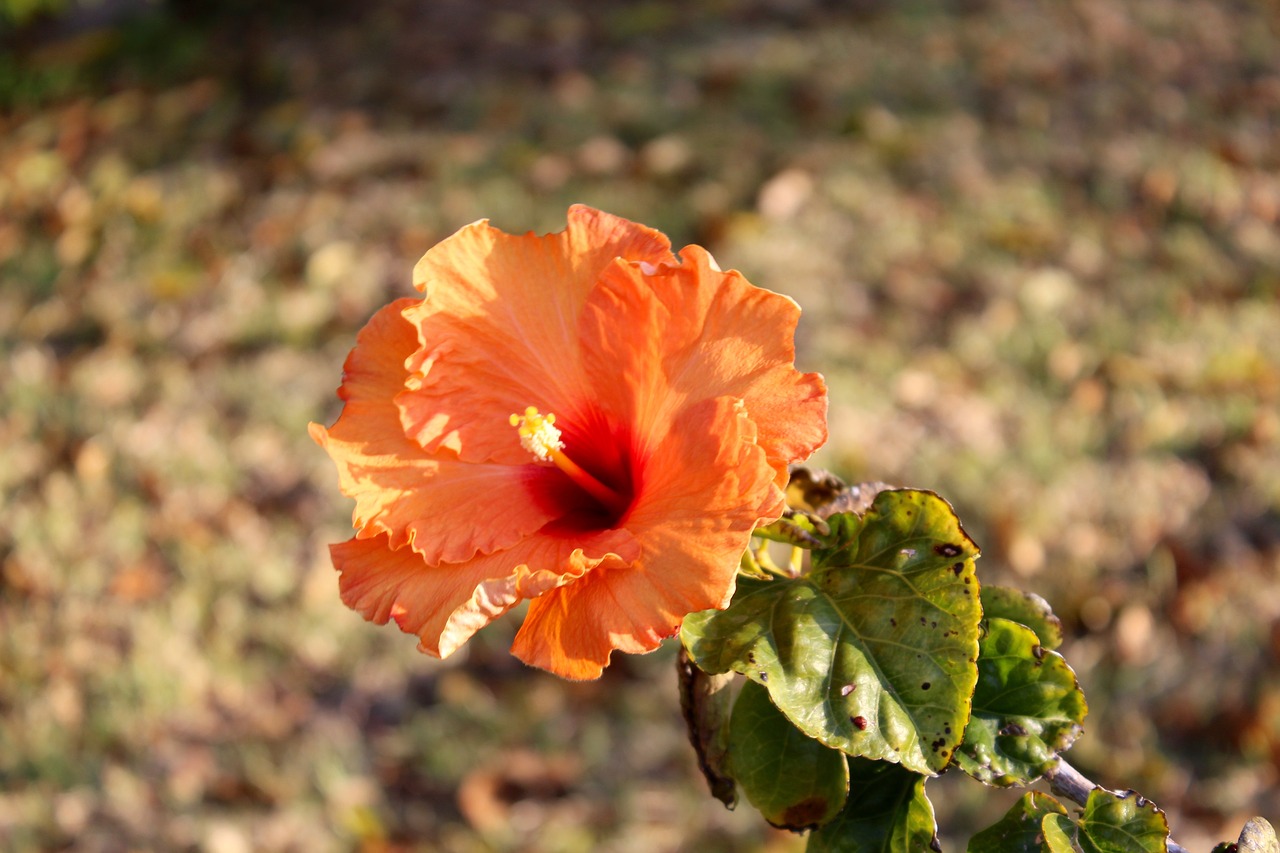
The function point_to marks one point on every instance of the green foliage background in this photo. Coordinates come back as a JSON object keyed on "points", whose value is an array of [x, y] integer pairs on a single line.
{"points": [[1037, 248]]}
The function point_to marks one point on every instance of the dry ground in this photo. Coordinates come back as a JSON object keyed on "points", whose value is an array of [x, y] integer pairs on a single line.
{"points": [[1037, 248]]}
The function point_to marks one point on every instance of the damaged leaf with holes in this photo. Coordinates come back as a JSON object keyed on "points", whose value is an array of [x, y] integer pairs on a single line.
{"points": [[1027, 708], [873, 651]]}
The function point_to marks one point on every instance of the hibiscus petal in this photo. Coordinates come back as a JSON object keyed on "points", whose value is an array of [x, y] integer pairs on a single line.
{"points": [[705, 489], [444, 507], [446, 604], [498, 328], [720, 335], [674, 389]]}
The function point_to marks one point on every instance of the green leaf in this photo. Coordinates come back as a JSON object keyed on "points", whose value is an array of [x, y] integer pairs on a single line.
{"points": [[1027, 708], [887, 812], [1025, 608], [1021, 830], [1128, 823], [1111, 823], [872, 652], [1060, 834], [795, 782]]}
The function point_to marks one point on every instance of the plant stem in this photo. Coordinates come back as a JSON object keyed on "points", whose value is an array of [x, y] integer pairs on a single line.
{"points": [[1066, 781]]}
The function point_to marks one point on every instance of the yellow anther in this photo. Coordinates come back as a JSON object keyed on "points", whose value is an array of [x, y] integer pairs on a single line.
{"points": [[539, 436], [538, 433]]}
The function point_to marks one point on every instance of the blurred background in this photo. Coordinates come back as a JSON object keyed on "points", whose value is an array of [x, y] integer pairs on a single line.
{"points": [[1036, 246]]}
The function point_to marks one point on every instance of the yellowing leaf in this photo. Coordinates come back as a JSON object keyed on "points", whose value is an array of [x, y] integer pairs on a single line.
{"points": [[872, 652]]}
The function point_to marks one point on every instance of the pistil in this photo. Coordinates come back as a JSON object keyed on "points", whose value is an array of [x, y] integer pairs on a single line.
{"points": [[540, 436]]}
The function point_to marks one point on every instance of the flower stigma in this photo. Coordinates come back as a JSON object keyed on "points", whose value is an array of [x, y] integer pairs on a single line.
{"points": [[540, 436]]}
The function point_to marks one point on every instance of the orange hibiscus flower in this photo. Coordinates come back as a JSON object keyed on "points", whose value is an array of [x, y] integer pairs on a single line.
{"points": [[582, 420]]}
